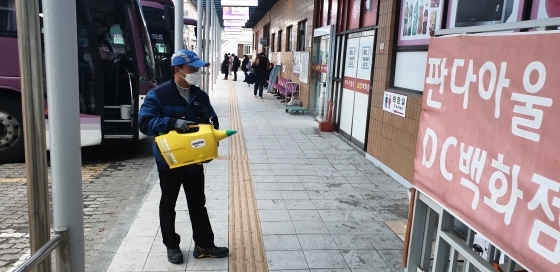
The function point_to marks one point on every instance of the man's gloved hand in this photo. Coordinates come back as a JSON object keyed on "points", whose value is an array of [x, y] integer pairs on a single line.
{"points": [[183, 125]]}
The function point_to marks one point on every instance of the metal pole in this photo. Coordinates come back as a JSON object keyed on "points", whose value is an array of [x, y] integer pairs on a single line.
{"points": [[199, 24], [61, 58], [207, 42], [214, 44], [179, 25], [31, 71]]}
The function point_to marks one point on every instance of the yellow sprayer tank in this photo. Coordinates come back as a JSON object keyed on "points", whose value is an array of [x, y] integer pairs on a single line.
{"points": [[180, 149]]}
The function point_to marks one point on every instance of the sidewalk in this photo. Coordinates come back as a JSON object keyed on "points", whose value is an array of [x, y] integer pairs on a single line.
{"points": [[322, 205]]}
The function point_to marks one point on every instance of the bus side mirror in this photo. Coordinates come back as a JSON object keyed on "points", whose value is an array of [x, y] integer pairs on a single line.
{"points": [[169, 17]]}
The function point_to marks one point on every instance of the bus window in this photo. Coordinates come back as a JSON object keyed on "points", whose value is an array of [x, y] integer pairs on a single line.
{"points": [[89, 101], [8, 23]]}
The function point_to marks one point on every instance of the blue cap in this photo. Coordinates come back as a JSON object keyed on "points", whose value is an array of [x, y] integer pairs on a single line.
{"points": [[189, 58]]}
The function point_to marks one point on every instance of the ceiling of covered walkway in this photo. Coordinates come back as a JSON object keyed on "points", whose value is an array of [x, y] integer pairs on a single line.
{"points": [[255, 13]]}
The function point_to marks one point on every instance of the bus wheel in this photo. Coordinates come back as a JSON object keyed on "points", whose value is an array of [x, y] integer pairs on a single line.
{"points": [[11, 131]]}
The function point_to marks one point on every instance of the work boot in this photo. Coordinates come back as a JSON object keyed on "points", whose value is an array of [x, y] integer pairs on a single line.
{"points": [[210, 252], [174, 255]]}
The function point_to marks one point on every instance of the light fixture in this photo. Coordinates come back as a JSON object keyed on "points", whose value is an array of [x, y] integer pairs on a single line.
{"points": [[236, 13], [240, 3]]}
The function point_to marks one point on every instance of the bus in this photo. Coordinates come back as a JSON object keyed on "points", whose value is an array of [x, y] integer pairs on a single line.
{"points": [[159, 20], [116, 69]]}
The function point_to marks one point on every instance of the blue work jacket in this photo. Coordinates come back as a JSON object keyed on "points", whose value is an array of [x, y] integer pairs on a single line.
{"points": [[164, 105]]}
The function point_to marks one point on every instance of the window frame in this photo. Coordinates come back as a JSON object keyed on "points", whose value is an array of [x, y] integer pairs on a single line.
{"points": [[301, 38], [289, 38], [280, 40]]}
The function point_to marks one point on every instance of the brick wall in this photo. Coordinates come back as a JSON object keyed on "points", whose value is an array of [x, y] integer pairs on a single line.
{"points": [[282, 15], [391, 138]]}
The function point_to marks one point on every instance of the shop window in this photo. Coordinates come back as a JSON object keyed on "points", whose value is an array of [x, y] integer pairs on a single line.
{"points": [[302, 26], [279, 40], [289, 40]]}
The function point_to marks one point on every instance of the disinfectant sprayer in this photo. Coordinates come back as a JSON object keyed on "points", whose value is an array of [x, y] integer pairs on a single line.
{"points": [[180, 149]]}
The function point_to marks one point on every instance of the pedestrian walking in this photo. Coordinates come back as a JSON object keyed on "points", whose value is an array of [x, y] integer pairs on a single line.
{"points": [[244, 67], [260, 66], [174, 105], [235, 66], [225, 64]]}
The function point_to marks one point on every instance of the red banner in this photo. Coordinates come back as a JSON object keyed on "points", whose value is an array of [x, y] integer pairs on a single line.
{"points": [[489, 140], [357, 84]]}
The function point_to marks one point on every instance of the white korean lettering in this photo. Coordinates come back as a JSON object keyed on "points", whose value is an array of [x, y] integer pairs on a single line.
{"points": [[486, 94], [541, 197], [474, 167], [473, 187], [496, 192], [536, 115], [436, 76], [450, 141], [429, 134], [550, 233], [470, 77]]}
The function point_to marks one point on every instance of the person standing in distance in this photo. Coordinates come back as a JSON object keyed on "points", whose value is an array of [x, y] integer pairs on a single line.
{"points": [[174, 105]]}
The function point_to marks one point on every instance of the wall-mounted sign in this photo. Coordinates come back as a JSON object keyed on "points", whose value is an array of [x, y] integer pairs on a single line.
{"points": [[351, 57], [394, 103], [236, 13], [239, 23], [240, 3], [366, 57], [418, 18], [483, 12], [297, 63], [382, 48]]}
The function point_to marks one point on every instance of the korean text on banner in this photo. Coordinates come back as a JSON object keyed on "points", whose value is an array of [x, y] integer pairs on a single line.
{"points": [[489, 140]]}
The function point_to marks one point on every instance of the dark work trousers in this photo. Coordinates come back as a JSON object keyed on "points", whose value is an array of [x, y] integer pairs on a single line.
{"points": [[234, 75], [259, 84], [170, 182]]}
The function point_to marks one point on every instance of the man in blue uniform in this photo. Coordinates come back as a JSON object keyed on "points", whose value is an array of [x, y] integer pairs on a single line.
{"points": [[174, 105]]}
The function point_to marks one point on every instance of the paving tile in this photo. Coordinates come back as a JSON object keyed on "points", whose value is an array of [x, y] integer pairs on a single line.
{"points": [[335, 215], [268, 195], [329, 204], [136, 244], [295, 195], [374, 227], [369, 259], [143, 229], [264, 179], [281, 242], [325, 259], [393, 258], [274, 215], [310, 227], [278, 260], [345, 227], [157, 261], [206, 263], [316, 241], [365, 215], [386, 241], [352, 241], [270, 228], [304, 215], [271, 204], [128, 262], [288, 179], [297, 204], [321, 194]]}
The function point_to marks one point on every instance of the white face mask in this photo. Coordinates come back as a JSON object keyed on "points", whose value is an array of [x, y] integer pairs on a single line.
{"points": [[193, 78]]}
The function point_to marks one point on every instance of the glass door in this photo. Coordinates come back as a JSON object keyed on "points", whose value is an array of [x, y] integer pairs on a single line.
{"points": [[319, 63]]}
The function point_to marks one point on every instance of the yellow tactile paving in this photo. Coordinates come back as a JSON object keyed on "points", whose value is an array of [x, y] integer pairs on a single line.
{"points": [[246, 242]]}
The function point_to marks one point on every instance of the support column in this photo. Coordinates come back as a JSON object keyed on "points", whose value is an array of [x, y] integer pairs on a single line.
{"points": [[61, 59], [207, 43], [179, 25], [199, 24], [31, 63]]}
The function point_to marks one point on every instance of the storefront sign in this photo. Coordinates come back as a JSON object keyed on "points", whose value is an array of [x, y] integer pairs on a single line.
{"points": [[236, 13], [304, 68], [418, 19], [351, 57], [483, 12], [488, 147], [365, 61], [394, 103], [240, 3]]}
